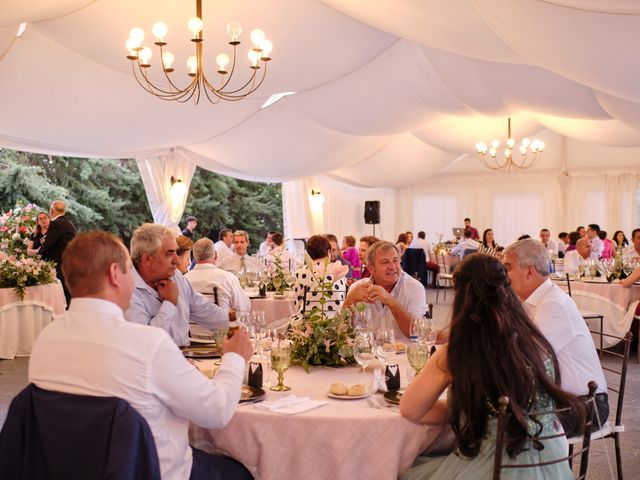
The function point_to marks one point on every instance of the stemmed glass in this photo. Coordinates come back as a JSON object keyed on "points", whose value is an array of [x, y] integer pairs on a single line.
{"points": [[277, 283], [280, 361], [385, 344], [363, 349], [417, 355], [429, 334], [362, 318], [289, 280]]}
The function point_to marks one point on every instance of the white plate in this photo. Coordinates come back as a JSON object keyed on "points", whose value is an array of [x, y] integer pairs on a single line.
{"points": [[202, 340], [588, 280], [347, 397]]}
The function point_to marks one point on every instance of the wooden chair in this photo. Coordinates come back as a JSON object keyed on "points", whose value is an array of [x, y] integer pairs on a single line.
{"points": [[213, 296], [503, 417], [607, 430], [444, 278]]}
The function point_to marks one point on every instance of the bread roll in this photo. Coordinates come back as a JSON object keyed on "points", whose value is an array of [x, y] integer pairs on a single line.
{"points": [[339, 388], [400, 346], [357, 390]]}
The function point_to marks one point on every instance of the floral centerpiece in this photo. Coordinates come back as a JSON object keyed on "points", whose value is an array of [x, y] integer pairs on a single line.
{"points": [[278, 278], [440, 247], [25, 272], [16, 226], [320, 338]]}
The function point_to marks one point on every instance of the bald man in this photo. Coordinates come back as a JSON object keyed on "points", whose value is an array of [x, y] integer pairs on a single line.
{"points": [[580, 256], [61, 232]]}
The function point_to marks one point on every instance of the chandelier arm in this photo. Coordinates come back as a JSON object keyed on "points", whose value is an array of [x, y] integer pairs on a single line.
{"points": [[222, 94], [495, 166], [178, 89], [229, 75], [212, 98], [159, 92], [230, 96]]}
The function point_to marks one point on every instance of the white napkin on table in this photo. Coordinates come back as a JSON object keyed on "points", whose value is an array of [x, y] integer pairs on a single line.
{"points": [[378, 383], [291, 404]]}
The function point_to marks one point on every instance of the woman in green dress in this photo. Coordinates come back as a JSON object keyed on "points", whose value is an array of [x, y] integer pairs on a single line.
{"points": [[494, 349]]}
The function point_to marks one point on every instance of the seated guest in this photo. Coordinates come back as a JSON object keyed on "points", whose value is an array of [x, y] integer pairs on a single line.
{"points": [[593, 234], [488, 244], [267, 246], [467, 243], [573, 239], [558, 318], [423, 243], [608, 250], [634, 249], [92, 350], [185, 245], [224, 244], [523, 237], [279, 251], [42, 225], [548, 243], [240, 260], [350, 254], [409, 235], [488, 318], [574, 259], [581, 231], [322, 271], [620, 240], [336, 254], [401, 243], [365, 243], [192, 223], [563, 243], [162, 297], [394, 297], [205, 276]]}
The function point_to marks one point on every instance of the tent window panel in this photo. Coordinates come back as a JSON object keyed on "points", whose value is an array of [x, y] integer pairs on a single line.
{"points": [[595, 208], [515, 215], [435, 214]]}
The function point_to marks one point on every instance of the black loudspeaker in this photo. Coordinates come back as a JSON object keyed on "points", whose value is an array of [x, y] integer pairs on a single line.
{"points": [[372, 212]]}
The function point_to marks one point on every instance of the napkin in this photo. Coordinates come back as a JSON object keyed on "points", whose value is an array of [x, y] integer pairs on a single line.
{"points": [[378, 383], [291, 404]]}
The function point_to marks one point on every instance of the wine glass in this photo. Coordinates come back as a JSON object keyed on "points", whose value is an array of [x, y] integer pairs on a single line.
{"points": [[289, 279], [363, 349], [277, 283], [385, 344], [428, 333], [218, 336], [280, 361], [417, 355], [362, 318]]}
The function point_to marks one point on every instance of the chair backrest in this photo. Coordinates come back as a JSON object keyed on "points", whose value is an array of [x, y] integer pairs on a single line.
{"points": [[53, 435], [213, 295], [414, 262], [620, 370], [469, 251], [503, 417], [442, 264]]}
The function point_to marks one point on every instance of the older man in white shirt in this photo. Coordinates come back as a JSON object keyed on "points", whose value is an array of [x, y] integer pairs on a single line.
{"points": [[581, 256], [558, 318], [224, 244], [205, 276], [92, 350], [162, 297], [393, 296], [241, 260]]}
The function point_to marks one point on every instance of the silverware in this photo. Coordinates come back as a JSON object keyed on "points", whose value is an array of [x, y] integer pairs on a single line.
{"points": [[251, 402]]}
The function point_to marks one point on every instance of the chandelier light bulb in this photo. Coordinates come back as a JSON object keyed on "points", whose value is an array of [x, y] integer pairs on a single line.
{"points": [[222, 60], [137, 35], [492, 152], [511, 142], [257, 37], [234, 30], [145, 55], [160, 30], [266, 46], [526, 142], [167, 60], [495, 144], [481, 147], [131, 46], [195, 26], [192, 63], [253, 57], [507, 153], [523, 150]]}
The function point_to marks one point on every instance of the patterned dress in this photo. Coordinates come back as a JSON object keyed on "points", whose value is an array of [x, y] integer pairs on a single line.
{"points": [[456, 466], [334, 274]]}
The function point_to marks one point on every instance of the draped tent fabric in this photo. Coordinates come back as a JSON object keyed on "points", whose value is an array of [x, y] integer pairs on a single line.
{"points": [[389, 94]]}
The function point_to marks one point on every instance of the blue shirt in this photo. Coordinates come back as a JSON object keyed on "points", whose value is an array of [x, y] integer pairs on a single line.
{"points": [[147, 308]]}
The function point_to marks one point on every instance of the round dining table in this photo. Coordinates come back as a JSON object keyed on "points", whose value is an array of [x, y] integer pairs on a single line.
{"points": [[343, 439]]}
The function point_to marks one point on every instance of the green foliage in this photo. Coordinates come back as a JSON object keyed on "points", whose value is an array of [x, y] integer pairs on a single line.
{"points": [[224, 202]]}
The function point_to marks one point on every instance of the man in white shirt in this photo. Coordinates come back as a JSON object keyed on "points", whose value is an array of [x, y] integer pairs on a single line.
{"points": [[563, 243], [267, 246], [634, 249], [578, 257], [162, 297], [467, 243], [558, 318], [423, 243], [279, 251], [205, 276], [549, 245], [93, 350], [597, 245], [394, 297], [240, 260], [224, 244]]}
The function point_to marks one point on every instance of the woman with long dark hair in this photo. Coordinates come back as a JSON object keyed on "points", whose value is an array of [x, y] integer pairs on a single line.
{"points": [[42, 226], [620, 239], [488, 245], [494, 349]]}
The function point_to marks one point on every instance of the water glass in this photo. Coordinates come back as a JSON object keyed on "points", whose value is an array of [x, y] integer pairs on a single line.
{"points": [[363, 349], [385, 344]]}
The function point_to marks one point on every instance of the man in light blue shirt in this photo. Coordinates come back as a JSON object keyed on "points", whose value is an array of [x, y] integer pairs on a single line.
{"points": [[162, 297]]}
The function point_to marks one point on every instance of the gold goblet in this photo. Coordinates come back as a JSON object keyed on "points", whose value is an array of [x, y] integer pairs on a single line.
{"points": [[417, 355], [280, 361]]}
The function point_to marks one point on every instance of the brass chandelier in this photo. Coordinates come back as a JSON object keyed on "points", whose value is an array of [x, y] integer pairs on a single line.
{"points": [[530, 152], [140, 57]]}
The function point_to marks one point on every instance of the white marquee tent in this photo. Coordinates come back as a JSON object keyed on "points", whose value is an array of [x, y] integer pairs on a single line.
{"points": [[392, 95]]}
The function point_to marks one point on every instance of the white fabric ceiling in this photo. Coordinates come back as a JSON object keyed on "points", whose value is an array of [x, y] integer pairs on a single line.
{"points": [[401, 86]]}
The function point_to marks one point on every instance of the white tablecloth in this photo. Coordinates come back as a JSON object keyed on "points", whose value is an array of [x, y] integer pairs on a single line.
{"points": [[345, 439], [21, 321], [275, 308]]}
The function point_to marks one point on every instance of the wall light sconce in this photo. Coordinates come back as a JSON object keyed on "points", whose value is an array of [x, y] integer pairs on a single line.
{"points": [[317, 197], [178, 189]]}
